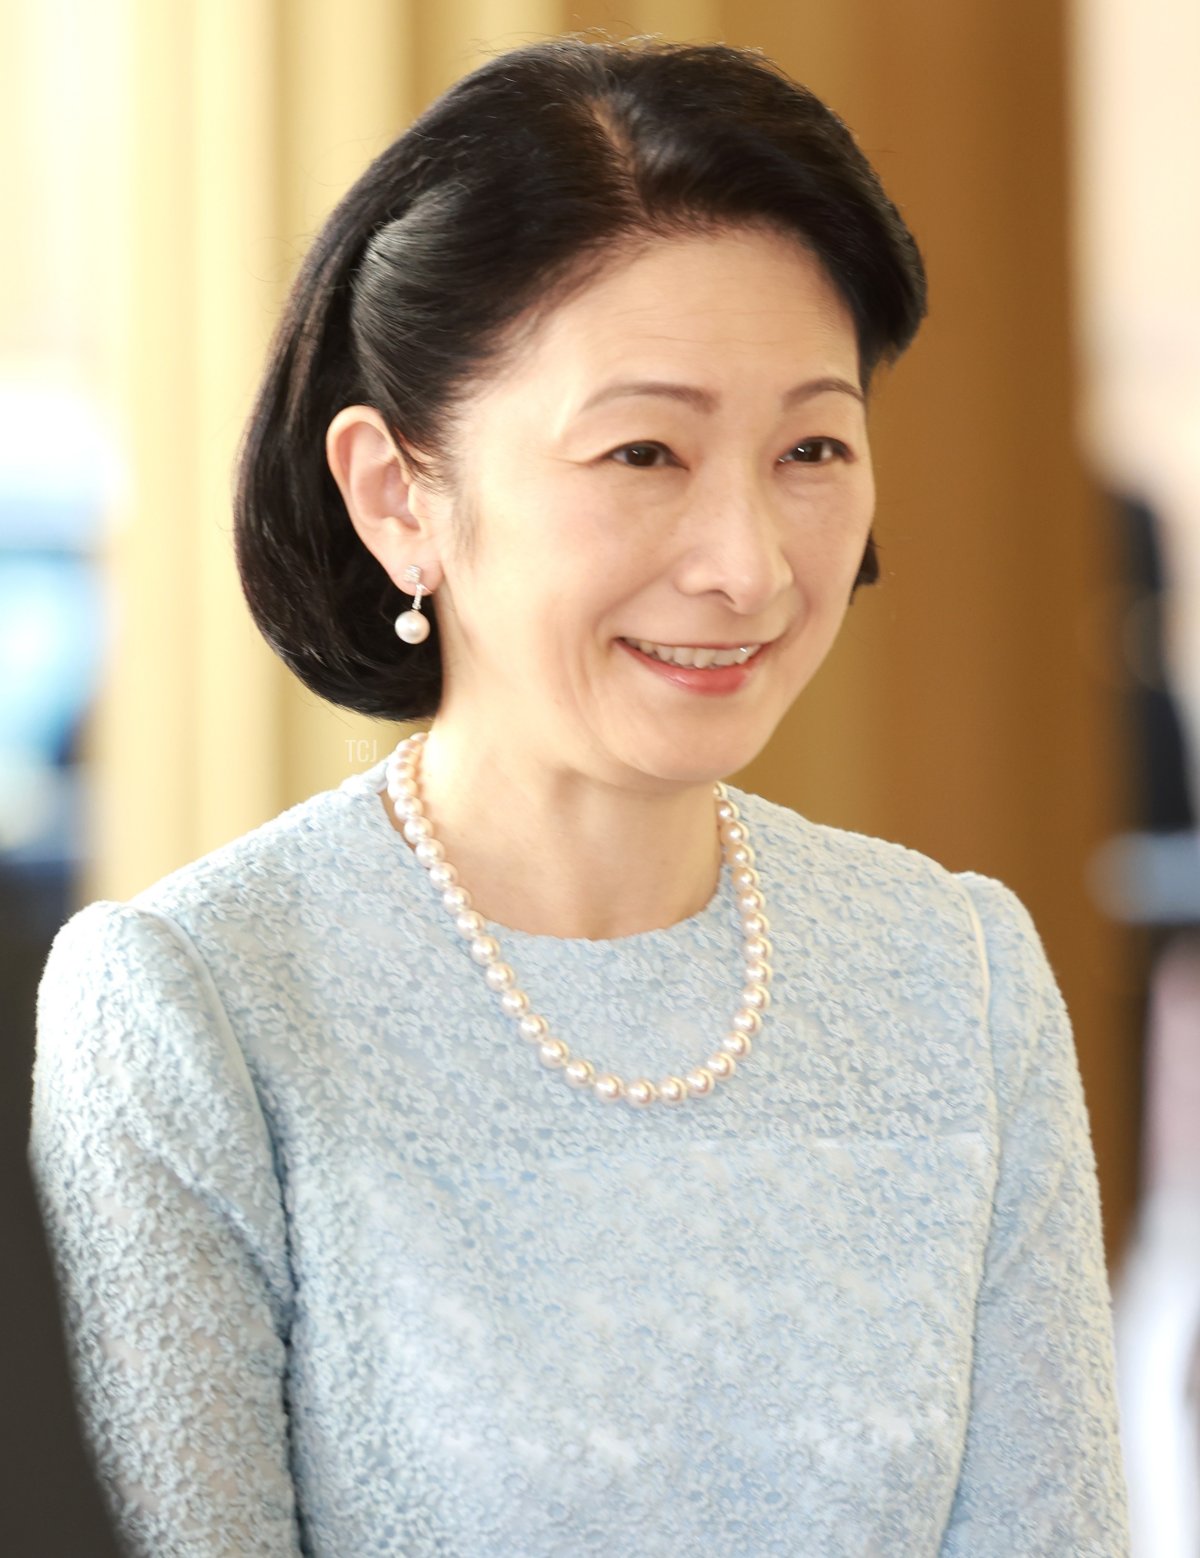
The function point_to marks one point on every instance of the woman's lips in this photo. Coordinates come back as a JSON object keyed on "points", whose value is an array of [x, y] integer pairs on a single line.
{"points": [[714, 679]]}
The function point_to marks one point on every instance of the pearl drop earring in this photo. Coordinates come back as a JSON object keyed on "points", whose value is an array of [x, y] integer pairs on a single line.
{"points": [[413, 625]]}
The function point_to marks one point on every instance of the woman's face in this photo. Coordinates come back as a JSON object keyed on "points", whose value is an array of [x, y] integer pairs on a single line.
{"points": [[730, 507]]}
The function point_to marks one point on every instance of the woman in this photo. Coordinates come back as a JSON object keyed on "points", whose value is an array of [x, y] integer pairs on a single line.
{"points": [[532, 1146]]}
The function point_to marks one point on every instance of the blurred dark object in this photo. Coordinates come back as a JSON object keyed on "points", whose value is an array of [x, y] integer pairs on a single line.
{"points": [[54, 479], [1151, 876], [52, 1505]]}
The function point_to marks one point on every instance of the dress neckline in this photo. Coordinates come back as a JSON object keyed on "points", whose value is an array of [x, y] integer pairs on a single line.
{"points": [[693, 928]]}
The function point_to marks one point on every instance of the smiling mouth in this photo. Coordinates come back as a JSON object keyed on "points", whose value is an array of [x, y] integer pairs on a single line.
{"points": [[699, 656]]}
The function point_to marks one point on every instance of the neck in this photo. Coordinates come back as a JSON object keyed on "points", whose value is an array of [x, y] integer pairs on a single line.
{"points": [[558, 853]]}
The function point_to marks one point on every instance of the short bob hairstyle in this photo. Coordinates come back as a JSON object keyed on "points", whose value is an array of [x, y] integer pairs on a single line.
{"points": [[504, 199]]}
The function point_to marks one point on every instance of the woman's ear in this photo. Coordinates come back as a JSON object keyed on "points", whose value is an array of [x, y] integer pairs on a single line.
{"points": [[390, 509]]}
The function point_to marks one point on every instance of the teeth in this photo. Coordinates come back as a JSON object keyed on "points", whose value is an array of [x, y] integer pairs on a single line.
{"points": [[677, 655]]}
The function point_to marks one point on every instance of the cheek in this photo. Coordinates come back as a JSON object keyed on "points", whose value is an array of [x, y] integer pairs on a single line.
{"points": [[828, 555], [595, 571], [845, 523]]}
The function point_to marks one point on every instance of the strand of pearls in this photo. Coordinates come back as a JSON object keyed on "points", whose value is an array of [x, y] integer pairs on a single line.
{"points": [[402, 786]]}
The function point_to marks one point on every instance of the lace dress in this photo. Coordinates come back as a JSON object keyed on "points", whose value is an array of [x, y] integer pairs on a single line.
{"points": [[344, 1272]]}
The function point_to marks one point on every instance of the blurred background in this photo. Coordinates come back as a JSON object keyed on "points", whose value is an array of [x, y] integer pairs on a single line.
{"points": [[1020, 695]]}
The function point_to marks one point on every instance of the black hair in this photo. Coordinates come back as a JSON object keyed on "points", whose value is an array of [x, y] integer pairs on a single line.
{"points": [[503, 199]]}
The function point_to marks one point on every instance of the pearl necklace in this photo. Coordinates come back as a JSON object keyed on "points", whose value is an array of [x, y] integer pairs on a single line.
{"points": [[402, 787]]}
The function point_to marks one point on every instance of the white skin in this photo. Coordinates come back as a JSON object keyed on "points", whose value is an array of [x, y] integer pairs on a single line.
{"points": [[570, 784]]}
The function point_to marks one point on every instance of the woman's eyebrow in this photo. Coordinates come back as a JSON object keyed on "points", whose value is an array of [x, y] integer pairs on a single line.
{"points": [[705, 400]]}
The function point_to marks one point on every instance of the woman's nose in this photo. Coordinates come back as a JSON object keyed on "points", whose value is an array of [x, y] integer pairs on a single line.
{"points": [[733, 544]]}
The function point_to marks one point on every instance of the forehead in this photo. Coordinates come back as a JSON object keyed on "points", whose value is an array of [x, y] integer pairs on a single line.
{"points": [[731, 300]]}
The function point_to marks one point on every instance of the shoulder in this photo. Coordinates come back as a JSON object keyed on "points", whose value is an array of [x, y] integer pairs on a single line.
{"points": [[957, 937], [261, 902], [868, 898], [265, 871], [836, 864], [105, 964], [137, 1071], [894, 925]]}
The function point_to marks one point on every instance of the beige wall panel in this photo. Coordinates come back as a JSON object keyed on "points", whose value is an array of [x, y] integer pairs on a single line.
{"points": [[238, 681], [693, 21], [457, 35], [143, 801]]}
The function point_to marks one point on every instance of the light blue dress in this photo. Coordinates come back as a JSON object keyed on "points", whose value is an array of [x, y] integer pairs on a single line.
{"points": [[345, 1272]]}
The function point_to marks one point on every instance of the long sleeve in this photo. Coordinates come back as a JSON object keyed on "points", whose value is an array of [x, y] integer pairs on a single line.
{"points": [[154, 1172], [1042, 1471]]}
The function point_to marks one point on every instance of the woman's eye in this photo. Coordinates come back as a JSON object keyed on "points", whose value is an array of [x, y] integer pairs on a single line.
{"points": [[813, 451], [639, 465], [819, 451]]}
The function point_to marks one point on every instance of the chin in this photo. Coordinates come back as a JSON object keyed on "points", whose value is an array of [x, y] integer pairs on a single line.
{"points": [[697, 762]]}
